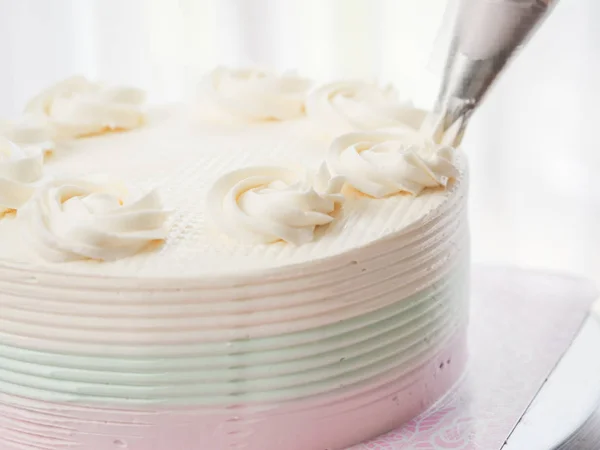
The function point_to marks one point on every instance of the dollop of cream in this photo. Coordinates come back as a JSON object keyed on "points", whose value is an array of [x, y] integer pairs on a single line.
{"points": [[75, 219], [261, 205], [32, 132], [346, 106], [380, 164], [19, 172], [257, 94], [77, 107]]}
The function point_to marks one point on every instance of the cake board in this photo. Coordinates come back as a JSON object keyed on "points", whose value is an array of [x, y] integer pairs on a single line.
{"points": [[522, 323]]}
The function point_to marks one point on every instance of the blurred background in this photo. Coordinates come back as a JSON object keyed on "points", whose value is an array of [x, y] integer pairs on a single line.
{"points": [[533, 146]]}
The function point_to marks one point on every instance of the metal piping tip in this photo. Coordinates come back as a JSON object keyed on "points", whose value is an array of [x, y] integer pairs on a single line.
{"points": [[487, 35]]}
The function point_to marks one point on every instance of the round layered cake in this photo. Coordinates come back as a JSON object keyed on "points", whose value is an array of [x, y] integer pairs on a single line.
{"points": [[273, 265]]}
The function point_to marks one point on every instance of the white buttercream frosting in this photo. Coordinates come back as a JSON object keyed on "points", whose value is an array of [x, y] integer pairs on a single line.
{"points": [[269, 204], [380, 164], [74, 219], [19, 171], [31, 131], [162, 154], [212, 326], [78, 107], [356, 105], [257, 94]]}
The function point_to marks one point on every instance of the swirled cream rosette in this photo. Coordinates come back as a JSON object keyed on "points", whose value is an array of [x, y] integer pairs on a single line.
{"points": [[256, 94], [77, 107], [346, 106], [380, 164], [77, 219], [261, 205], [19, 173]]}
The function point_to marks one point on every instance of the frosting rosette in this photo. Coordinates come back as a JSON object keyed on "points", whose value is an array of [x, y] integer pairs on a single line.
{"points": [[75, 219], [261, 205], [257, 94], [77, 107], [380, 164], [346, 106], [19, 171]]}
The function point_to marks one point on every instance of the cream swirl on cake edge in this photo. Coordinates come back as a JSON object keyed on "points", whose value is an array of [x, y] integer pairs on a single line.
{"points": [[261, 205], [75, 219], [19, 171], [345, 106], [384, 163], [257, 94], [77, 107]]}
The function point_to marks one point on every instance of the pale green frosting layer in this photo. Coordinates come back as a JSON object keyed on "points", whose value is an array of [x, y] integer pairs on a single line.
{"points": [[397, 337]]}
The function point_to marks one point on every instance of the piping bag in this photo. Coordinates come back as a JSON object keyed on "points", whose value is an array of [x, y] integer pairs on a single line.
{"points": [[486, 35]]}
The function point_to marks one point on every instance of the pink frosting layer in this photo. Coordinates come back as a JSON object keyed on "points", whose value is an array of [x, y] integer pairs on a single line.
{"points": [[350, 416]]}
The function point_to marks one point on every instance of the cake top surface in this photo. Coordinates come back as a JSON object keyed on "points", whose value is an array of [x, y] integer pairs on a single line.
{"points": [[181, 151]]}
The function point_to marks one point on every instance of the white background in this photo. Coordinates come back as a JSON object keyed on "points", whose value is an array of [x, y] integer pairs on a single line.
{"points": [[534, 147]]}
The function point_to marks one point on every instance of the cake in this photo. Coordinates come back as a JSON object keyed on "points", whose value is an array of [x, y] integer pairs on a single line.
{"points": [[275, 265]]}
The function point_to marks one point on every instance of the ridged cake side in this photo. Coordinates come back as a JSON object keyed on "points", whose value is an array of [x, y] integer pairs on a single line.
{"points": [[203, 341], [348, 347]]}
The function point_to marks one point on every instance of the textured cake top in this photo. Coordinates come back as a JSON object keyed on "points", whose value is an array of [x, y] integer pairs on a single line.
{"points": [[261, 172]]}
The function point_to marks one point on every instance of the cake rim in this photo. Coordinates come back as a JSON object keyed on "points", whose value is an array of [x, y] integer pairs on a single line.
{"points": [[251, 276]]}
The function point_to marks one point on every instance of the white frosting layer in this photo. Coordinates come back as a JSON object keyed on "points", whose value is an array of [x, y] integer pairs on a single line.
{"points": [[75, 219], [77, 107], [356, 105], [183, 157], [19, 171], [33, 132], [256, 94], [382, 163], [261, 205]]}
